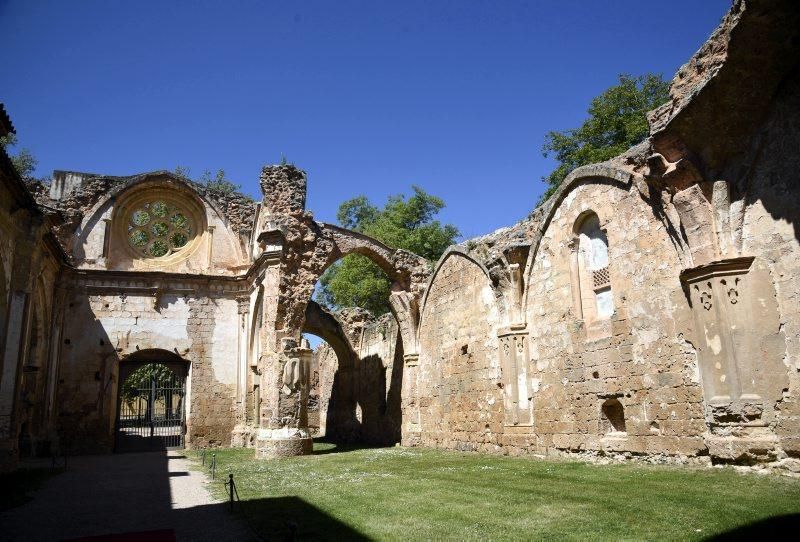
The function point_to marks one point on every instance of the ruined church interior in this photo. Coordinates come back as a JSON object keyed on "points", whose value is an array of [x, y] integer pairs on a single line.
{"points": [[649, 310]]}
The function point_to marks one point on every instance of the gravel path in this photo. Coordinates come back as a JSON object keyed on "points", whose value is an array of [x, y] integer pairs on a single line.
{"points": [[124, 493]]}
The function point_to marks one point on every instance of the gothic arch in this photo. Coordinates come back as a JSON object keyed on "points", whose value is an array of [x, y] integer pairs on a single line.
{"points": [[592, 174], [456, 251]]}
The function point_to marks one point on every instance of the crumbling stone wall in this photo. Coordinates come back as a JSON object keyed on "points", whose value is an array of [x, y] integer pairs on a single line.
{"points": [[638, 357], [458, 383], [359, 399], [103, 329], [30, 262]]}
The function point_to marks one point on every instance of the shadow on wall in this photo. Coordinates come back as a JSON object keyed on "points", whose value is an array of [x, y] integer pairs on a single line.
{"points": [[360, 408], [92, 370]]}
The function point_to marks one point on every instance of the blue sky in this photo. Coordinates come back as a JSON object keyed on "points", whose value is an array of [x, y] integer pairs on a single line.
{"points": [[367, 97]]}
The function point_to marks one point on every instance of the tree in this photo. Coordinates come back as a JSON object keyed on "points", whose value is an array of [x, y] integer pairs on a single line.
{"points": [[402, 223], [24, 161], [617, 121], [217, 183]]}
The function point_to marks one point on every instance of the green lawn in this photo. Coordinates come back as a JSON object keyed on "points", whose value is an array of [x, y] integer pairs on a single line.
{"points": [[423, 494]]}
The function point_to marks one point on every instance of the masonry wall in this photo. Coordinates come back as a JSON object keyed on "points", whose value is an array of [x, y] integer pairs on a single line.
{"points": [[460, 400], [359, 400], [29, 268], [103, 330], [767, 179], [638, 356]]}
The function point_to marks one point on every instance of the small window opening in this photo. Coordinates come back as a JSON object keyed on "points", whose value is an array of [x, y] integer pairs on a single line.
{"points": [[612, 417]]}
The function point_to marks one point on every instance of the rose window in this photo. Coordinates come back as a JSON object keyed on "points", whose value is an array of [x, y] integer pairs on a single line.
{"points": [[158, 228]]}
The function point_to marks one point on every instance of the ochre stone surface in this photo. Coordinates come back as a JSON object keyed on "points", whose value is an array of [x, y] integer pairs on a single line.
{"points": [[649, 309]]}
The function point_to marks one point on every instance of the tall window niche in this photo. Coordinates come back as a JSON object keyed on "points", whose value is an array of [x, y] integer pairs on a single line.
{"points": [[593, 298]]}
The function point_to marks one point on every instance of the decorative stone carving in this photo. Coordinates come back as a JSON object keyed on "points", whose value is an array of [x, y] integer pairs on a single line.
{"points": [[516, 389], [740, 348]]}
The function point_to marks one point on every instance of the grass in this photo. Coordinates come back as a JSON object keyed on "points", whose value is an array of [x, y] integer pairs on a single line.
{"points": [[423, 494]]}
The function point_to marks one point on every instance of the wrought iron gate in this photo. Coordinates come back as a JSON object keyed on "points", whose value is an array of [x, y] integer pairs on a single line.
{"points": [[151, 410]]}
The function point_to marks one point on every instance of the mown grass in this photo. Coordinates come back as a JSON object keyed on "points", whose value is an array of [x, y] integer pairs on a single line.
{"points": [[423, 494]]}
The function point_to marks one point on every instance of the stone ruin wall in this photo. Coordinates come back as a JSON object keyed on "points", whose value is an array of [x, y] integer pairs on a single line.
{"points": [[459, 397], [102, 329], [360, 400], [650, 355], [639, 356], [769, 228]]}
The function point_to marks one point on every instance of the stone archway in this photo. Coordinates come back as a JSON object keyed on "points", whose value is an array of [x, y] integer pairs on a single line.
{"points": [[151, 402], [293, 252]]}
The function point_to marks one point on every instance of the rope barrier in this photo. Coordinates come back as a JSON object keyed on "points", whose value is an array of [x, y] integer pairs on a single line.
{"points": [[233, 495]]}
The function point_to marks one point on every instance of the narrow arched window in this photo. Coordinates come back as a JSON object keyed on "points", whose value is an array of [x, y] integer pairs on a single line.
{"points": [[593, 281]]}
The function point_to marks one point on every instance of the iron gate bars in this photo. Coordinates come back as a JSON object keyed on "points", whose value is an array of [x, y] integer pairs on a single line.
{"points": [[151, 410]]}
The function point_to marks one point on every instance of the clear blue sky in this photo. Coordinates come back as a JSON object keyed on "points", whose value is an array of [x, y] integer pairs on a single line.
{"points": [[367, 97]]}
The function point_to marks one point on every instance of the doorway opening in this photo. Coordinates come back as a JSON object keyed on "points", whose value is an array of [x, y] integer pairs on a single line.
{"points": [[151, 406]]}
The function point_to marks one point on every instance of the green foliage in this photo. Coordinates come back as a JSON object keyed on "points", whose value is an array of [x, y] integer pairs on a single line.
{"points": [[141, 379], [24, 161], [616, 122], [407, 223], [216, 183], [182, 171], [219, 183]]}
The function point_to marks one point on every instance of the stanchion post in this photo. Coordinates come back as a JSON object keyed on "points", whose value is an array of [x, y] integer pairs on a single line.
{"points": [[230, 488]]}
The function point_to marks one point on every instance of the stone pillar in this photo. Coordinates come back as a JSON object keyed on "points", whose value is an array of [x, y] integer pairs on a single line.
{"points": [[411, 429], [285, 432], [16, 342], [575, 279], [514, 364]]}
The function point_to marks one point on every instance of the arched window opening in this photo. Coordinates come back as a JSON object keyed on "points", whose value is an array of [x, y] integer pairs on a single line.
{"points": [[612, 417], [591, 277]]}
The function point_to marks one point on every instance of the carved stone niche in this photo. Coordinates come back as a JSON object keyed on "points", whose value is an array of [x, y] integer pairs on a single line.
{"points": [[740, 347], [517, 396]]}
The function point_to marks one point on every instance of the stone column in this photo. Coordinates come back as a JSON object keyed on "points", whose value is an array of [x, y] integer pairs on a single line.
{"points": [[285, 432], [740, 351], [16, 342], [411, 428], [514, 363], [575, 279]]}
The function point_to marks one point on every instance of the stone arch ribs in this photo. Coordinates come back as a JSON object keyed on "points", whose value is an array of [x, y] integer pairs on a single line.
{"points": [[294, 251]]}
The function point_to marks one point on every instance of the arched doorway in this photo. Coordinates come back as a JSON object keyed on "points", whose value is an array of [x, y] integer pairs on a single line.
{"points": [[151, 403]]}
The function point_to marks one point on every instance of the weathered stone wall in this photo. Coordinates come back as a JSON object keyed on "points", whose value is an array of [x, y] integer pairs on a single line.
{"points": [[104, 330], [638, 356], [769, 228], [458, 392], [359, 399], [30, 262]]}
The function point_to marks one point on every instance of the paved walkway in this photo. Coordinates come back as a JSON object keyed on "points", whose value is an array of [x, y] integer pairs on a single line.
{"points": [[124, 493]]}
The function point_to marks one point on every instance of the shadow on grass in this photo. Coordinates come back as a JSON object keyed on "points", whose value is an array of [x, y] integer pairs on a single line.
{"points": [[292, 518], [322, 447], [766, 529]]}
